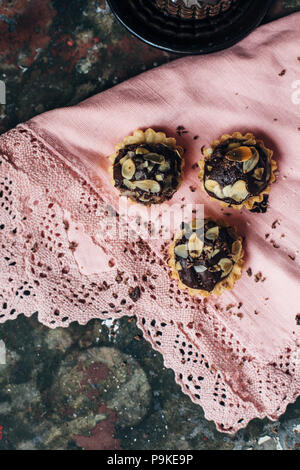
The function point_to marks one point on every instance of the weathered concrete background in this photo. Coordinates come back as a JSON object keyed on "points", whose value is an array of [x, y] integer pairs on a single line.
{"points": [[100, 386]]}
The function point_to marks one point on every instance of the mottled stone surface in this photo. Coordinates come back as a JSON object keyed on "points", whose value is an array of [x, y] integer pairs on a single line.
{"points": [[98, 386]]}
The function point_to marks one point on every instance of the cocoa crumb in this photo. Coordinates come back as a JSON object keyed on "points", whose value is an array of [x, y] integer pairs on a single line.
{"points": [[258, 276], [240, 304], [195, 166], [229, 307], [256, 312], [181, 130], [267, 235], [196, 137], [134, 293], [298, 319], [275, 223], [274, 244], [292, 257], [282, 73], [192, 189], [34, 249], [249, 272], [73, 246]]}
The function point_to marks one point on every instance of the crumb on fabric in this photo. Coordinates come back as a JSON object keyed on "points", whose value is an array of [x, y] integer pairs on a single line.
{"points": [[181, 130], [275, 223]]}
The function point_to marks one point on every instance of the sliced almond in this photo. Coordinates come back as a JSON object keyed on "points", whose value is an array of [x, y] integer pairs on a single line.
{"points": [[236, 250], [226, 265], [258, 173], [227, 190], [195, 246], [159, 177], [178, 266], [142, 165], [214, 253], [212, 233], [251, 164], [141, 151], [240, 154], [210, 185], [155, 157], [129, 184], [128, 155], [150, 166], [200, 269], [128, 169], [181, 251], [165, 166], [239, 191], [148, 185], [214, 187]]}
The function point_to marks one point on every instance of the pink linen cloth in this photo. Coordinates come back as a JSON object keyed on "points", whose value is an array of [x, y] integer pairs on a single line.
{"points": [[237, 355]]}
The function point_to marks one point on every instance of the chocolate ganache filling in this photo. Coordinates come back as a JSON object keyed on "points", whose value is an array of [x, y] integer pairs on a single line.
{"points": [[147, 173], [237, 170], [206, 253]]}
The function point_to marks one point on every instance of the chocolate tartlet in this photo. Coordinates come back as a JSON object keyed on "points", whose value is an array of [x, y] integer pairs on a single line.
{"points": [[194, 9], [206, 257], [147, 167], [237, 170]]}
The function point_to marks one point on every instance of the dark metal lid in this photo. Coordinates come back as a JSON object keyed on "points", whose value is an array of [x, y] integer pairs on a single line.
{"points": [[150, 24]]}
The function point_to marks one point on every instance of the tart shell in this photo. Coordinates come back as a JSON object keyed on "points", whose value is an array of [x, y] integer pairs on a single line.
{"points": [[248, 203], [148, 136], [220, 287]]}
